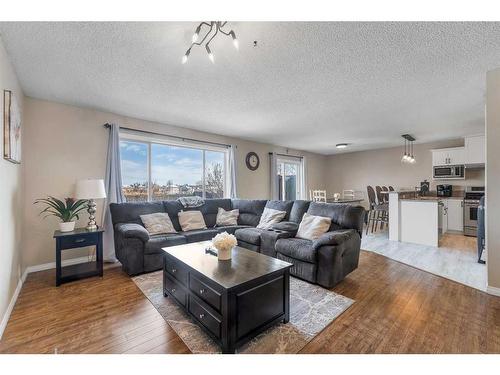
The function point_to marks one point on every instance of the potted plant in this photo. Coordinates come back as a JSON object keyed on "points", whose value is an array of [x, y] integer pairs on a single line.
{"points": [[66, 211]]}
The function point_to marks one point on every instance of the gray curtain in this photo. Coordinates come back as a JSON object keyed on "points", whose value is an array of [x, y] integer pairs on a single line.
{"points": [[114, 193], [274, 176], [232, 172]]}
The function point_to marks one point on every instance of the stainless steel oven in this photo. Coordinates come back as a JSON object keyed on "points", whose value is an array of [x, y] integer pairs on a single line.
{"points": [[471, 203], [449, 172]]}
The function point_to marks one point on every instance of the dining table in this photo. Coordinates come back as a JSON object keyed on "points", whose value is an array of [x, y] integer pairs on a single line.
{"points": [[345, 200]]}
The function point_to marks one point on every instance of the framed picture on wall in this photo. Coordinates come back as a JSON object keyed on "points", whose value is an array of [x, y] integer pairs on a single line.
{"points": [[11, 128]]}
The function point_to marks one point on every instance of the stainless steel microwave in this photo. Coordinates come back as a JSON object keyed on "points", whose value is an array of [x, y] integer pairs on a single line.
{"points": [[449, 172]]}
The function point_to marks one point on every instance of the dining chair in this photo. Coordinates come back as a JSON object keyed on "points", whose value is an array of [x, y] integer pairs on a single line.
{"points": [[318, 195], [348, 194]]}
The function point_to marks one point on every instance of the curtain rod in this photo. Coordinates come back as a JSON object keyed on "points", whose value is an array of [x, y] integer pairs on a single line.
{"points": [[290, 156], [171, 136]]}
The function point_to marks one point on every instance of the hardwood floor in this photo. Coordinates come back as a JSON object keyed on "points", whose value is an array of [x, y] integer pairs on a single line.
{"points": [[398, 309], [108, 315]]}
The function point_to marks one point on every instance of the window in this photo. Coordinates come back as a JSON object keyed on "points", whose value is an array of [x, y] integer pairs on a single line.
{"points": [[159, 171], [290, 178]]}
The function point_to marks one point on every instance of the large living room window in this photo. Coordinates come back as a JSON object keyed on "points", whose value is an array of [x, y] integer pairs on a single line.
{"points": [[154, 170]]}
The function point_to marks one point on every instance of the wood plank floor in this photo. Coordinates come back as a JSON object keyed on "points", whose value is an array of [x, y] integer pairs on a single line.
{"points": [[398, 309]]}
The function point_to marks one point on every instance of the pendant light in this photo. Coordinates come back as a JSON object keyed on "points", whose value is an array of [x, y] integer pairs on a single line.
{"points": [[408, 156]]}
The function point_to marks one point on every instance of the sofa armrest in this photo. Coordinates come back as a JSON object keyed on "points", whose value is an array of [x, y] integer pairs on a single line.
{"points": [[333, 238], [132, 230], [286, 226]]}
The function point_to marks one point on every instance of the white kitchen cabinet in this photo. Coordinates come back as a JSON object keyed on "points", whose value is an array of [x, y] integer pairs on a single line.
{"points": [[455, 214], [448, 156], [475, 149]]}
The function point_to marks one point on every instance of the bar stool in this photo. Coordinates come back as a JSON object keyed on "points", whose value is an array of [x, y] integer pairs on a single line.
{"points": [[377, 212]]}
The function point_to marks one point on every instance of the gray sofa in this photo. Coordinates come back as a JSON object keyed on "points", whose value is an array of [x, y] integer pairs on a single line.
{"points": [[325, 261]]}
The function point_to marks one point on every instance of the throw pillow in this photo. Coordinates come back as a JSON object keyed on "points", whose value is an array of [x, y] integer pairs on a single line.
{"points": [[312, 227], [227, 217], [191, 220], [270, 217], [158, 223]]}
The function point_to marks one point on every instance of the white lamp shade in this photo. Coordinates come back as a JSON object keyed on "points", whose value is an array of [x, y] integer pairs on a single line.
{"points": [[90, 189]]}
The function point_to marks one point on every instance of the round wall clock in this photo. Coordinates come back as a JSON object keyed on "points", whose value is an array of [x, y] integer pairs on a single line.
{"points": [[252, 161]]}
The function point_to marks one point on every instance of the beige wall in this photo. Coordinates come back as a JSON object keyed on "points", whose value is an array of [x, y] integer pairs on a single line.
{"points": [[493, 176], [64, 143], [11, 201], [356, 170]]}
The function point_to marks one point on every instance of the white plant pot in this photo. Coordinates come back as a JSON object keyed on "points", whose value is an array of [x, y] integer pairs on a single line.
{"points": [[224, 254], [67, 227]]}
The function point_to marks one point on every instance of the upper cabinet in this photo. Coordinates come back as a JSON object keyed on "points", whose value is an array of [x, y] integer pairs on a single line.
{"points": [[475, 152], [472, 154], [448, 156]]}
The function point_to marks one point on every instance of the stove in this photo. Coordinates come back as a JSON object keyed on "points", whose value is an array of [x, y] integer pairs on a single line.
{"points": [[471, 203]]}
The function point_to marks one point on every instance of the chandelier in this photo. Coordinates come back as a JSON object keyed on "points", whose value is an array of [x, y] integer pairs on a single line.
{"points": [[408, 150], [214, 28]]}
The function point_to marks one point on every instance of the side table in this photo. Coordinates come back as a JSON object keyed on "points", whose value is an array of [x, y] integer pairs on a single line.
{"points": [[80, 237]]}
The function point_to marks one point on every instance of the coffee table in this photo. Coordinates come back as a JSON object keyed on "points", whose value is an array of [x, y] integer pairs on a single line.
{"points": [[232, 300]]}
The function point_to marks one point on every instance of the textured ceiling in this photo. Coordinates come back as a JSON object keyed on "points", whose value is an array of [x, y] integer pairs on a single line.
{"points": [[306, 85]]}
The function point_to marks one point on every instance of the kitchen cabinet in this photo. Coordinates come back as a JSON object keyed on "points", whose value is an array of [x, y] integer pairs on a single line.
{"points": [[455, 214], [475, 149], [448, 156]]}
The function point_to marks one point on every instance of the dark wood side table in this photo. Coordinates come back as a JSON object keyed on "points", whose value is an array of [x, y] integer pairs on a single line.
{"points": [[80, 237]]}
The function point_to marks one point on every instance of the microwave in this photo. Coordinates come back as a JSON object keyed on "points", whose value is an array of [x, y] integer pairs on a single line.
{"points": [[449, 172]]}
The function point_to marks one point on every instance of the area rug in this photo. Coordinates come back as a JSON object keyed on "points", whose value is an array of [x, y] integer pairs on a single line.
{"points": [[312, 308]]}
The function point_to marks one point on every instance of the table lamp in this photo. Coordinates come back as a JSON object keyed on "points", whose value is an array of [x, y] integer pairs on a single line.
{"points": [[91, 190]]}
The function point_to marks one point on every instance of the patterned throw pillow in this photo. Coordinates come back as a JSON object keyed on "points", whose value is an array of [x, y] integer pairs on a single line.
{"points": [[227, 217], [191, 220], [270, 217], [312, 227], [158, 223]]}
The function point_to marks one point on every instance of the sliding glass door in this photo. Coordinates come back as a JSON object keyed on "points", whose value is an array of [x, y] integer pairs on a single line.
{"points": [[290, 178]]}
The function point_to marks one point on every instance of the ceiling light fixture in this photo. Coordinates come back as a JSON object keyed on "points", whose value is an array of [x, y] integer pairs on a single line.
{"points": [[341, 145], [214, 28], [408, 156]]}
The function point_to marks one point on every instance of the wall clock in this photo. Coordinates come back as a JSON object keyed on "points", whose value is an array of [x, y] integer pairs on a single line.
{"points": [[252, 161]]}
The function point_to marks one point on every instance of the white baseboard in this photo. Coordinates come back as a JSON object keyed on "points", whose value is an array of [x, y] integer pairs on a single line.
{"points": [[493, 290], [12, 303], [39, 267], [48, 266]]}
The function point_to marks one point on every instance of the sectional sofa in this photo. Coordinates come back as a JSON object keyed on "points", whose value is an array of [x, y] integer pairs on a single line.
{"points": [[325, 261]]}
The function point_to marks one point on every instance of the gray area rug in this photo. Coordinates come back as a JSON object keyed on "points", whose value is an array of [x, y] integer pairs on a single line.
{"points": [[312, 308]]}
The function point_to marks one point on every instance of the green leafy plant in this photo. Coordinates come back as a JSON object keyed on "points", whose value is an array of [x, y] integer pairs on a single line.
{"points": [[66, 211]]}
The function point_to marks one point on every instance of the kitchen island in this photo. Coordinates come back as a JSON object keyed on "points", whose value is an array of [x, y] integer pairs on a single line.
{"points": [[414, 219]]}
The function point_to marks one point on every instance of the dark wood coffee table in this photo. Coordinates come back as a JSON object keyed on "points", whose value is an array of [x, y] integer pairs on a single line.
{"points": [[233, 300]]}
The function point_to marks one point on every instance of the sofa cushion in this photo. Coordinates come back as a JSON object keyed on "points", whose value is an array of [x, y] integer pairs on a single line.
{"points": [[281, 206], [249, 235], [173, 208], [334, 238], [200, 235], [131, 212], [230, 228], [191, 220], [211, 207], [312, 227], [297, 248], [158, 223], [227, 217], [269, 217], [250, 211], [299, 208], [344, 216], [155, 243]]}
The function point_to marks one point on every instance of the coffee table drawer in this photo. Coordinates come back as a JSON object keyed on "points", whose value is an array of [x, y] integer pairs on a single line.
{"points": [[204, 317], [174, 289], [205, 292], [176, 269]]}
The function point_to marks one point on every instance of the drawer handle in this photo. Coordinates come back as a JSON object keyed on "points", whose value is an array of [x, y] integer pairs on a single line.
{"points": [[173, 290], [80, 240], [202, 291], [174, 270], [202, 316]]}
